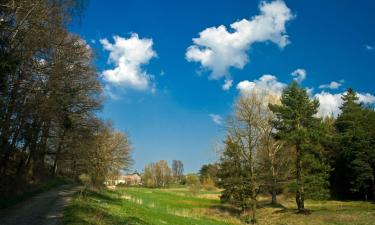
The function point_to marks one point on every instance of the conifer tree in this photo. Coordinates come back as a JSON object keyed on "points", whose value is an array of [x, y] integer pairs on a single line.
{"points": [[297, 124], [354, 164]]}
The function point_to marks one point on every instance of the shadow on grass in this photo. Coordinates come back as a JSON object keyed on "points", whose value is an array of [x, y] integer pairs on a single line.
{"points": [[100, 196], [82, 212], [23, 191], [236, 211], [272, 205], [227, 209], [295, 211]]}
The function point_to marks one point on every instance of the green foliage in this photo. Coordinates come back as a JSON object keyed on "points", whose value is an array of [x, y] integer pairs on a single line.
{"points": [[315, 175], [354, 160], [192, 180], [234, 176], [297, 124], [209, 171]]}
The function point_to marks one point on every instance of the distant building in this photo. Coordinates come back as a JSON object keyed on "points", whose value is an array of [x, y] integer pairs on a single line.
{"points": [[129, 179], [133, 179]]}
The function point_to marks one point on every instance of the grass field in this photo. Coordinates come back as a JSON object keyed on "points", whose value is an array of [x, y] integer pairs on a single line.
{"points": [[177, 206]]}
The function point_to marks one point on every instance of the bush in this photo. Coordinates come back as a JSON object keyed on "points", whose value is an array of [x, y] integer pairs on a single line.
{"points": [[85, 179], [192, 180], [208, 184]]}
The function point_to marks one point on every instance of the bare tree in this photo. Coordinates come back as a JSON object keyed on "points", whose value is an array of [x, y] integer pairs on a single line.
{"points": [[275, 161], [177, 170], [238, 167], [157, 174]]}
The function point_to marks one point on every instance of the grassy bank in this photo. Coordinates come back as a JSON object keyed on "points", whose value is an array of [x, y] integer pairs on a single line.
{"points": [[177, 206], [29, 191]]}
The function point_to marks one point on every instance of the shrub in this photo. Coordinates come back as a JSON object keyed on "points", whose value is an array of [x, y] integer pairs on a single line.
{"points": [[192, 180]]}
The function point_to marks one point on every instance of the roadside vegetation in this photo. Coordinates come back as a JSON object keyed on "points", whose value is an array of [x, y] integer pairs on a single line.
{"points": [[50, 95], [30, 191]]}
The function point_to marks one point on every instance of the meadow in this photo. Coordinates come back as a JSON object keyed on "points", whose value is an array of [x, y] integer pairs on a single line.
{"points": [[175, 206]]}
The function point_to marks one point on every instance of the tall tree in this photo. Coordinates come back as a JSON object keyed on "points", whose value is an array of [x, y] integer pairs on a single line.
{"points": [[298, 126], [238, 163], [209, 172], [354, 162], [49, 96], [274, 156], [177, 170]]}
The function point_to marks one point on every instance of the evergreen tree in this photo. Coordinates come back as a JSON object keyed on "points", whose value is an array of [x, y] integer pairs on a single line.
{"points": [[236, 179], [297, 124], [354, 163]]}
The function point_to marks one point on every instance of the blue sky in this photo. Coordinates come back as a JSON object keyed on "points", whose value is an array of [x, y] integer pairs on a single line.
{"points": [[170, 100]]}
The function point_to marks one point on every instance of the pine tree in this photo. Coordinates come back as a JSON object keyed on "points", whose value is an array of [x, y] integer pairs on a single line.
{"points": [[297, 124], [354, 164]]}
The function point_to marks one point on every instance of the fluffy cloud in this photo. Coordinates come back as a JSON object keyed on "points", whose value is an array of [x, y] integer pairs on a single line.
{"points": [[227, 84], [299, 75], [330, 103], [265, 84], [332, 85], [366, 98], [218, 49], [128, 56], [216, 118]]}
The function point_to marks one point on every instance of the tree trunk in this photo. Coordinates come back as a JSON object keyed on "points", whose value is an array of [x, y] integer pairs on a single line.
{"points": [[300, 192], [253, 211], [59, 148], [274, 197], [273, 186]]}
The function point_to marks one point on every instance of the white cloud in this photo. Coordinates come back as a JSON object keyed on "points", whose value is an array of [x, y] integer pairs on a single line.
{"points": [[299, 75], [332, 85], [227, 84], [128, 57], [369, 47], [265, 84], [218, 49], [216, 118], [330, 103], [366, 98]]}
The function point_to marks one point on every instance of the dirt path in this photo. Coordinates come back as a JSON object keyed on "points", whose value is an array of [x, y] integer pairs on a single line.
{"points": [[44, 209]]}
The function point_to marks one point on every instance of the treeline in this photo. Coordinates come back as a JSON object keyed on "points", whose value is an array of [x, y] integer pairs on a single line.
{"points": [[279, 145], [49, 96], [159, 174]]}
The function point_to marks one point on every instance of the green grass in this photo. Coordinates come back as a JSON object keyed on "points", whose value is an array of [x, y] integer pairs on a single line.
{"points": [[177, 206], [30, 191]]}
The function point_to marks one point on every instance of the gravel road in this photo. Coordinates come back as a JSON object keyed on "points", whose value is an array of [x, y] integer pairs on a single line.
{"points": [[43, 209]]}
